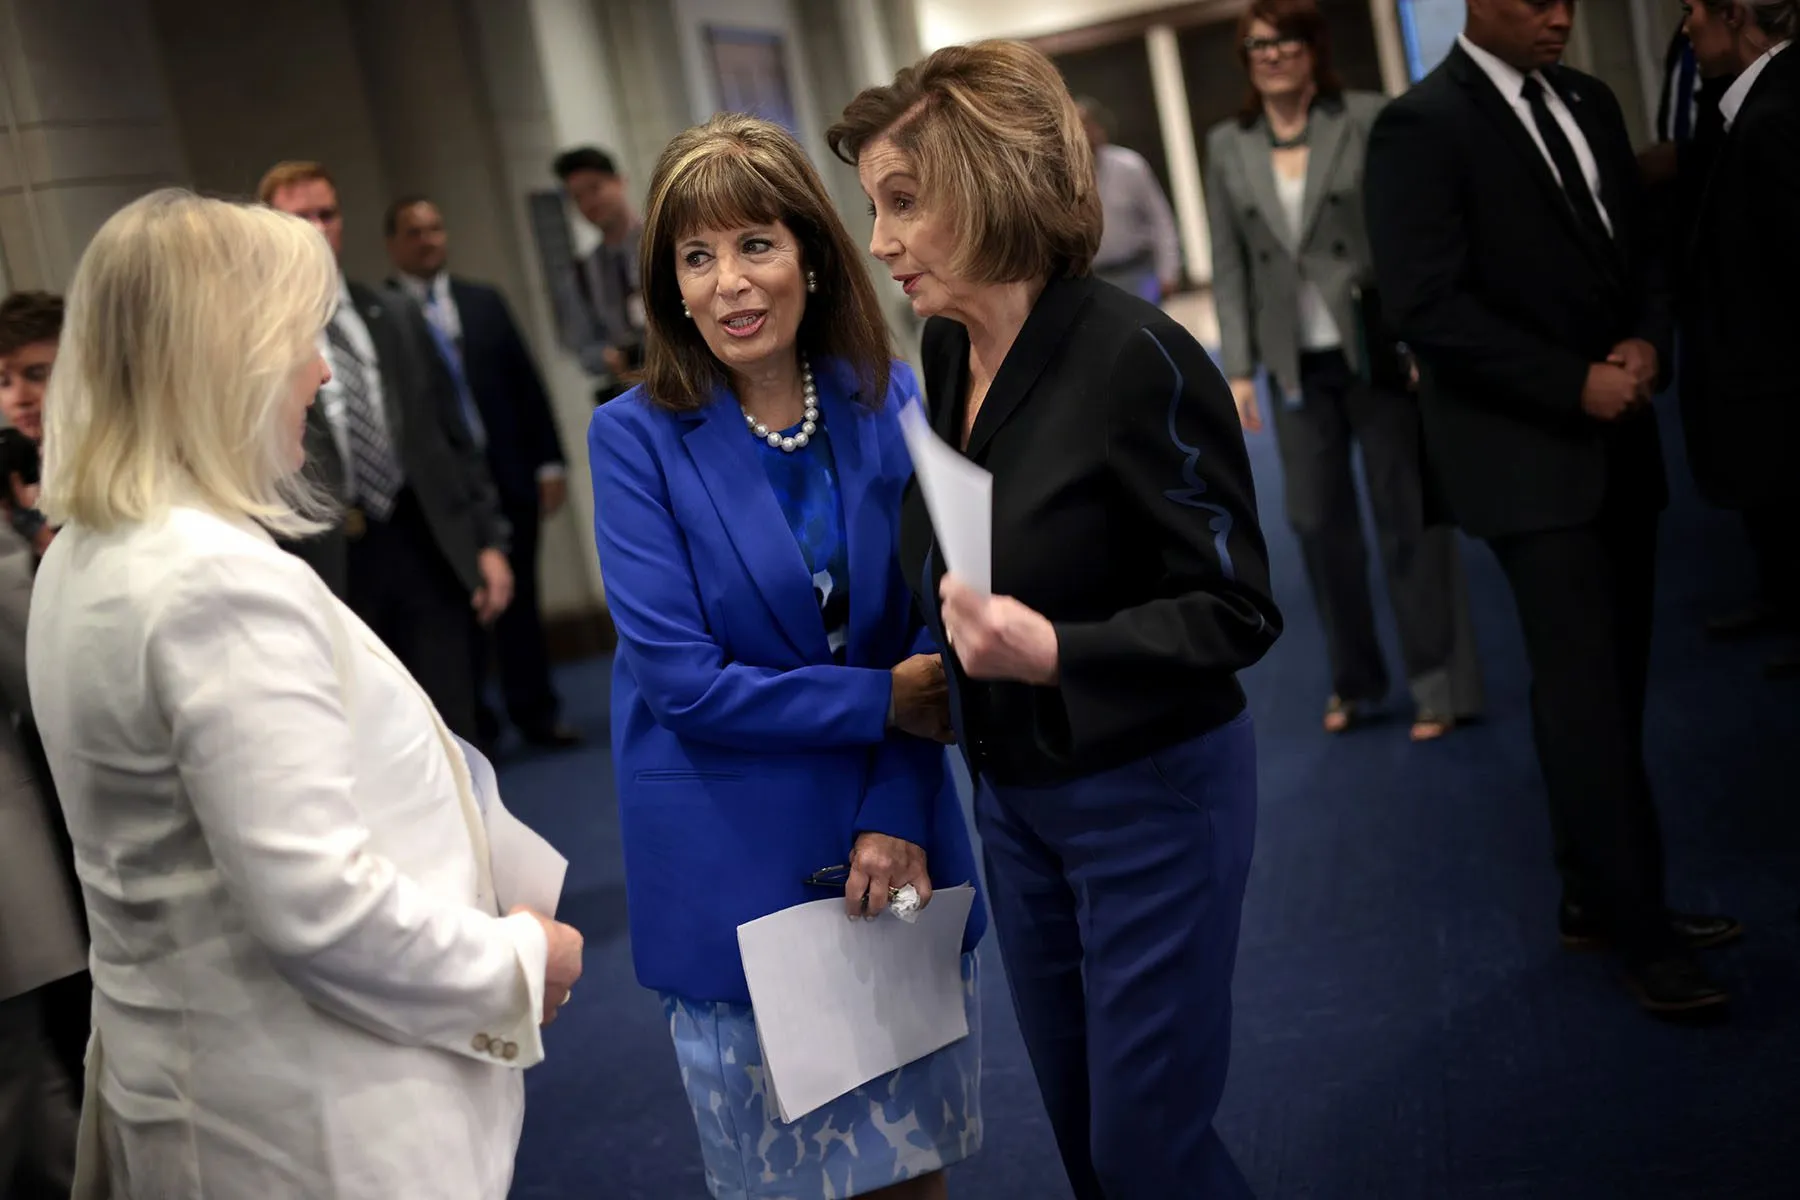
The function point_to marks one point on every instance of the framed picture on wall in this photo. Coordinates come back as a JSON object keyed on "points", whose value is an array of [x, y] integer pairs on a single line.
{"points": [[749, 69]]}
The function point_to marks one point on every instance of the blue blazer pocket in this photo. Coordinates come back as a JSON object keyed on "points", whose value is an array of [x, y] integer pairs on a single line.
{"points": [[686, 775]]}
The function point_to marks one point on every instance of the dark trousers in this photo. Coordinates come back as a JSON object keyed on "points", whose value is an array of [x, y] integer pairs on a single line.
{"points": [[1337, 413], [403, 588], [37, 1109], [65, 1005], [1584, 598], [517, 638], [1775, 546], [1116, 898]]}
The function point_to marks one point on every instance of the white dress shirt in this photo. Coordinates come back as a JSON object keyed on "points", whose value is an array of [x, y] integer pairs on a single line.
{"points": [[437, 302], [1735, 95], [1511, 83], [302, 986], [331, 396]]}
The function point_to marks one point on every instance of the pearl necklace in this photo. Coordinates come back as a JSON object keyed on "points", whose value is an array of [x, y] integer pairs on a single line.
{"points": [[809, 420]]}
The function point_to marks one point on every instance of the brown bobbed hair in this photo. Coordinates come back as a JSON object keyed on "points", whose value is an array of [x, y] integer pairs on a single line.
{"points": [[730, 172], [1296, 19], [997, 145]]}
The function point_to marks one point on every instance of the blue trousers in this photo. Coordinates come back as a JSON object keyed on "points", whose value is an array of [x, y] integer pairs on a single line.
{"points": [[1116, 898]]}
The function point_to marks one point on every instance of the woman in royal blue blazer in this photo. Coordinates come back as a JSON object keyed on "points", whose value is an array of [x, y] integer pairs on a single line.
{"points": [[777, 706]]}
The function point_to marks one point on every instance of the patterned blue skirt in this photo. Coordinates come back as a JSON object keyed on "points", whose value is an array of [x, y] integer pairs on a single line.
{"points": [[912, 1122]]}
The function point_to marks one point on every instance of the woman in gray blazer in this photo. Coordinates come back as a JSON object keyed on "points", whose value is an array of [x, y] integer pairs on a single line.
{"points": [[1284, 200]]}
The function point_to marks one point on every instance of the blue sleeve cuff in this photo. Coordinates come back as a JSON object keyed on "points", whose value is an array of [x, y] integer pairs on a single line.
{"points": [[903, 785]]}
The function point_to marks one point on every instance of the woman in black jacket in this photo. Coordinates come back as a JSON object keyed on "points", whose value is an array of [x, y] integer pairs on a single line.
{"points": [[1095, 692]]}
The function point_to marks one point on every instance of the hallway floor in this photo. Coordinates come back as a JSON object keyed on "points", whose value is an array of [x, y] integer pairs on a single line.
{"points": [[1407, 1025]]}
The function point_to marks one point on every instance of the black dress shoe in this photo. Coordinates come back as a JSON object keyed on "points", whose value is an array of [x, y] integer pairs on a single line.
{"points": [[1582, 930], [1674, 987], [556, 737]]}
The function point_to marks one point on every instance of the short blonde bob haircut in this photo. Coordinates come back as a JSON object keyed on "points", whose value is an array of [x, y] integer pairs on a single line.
{"points": [[998, 147], [186, 324], [737, 170]]}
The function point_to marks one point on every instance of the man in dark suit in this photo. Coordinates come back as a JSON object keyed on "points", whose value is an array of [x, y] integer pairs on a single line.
{"points": [[1740, 402], [1505, 217], [509, 416], [421, 541]]}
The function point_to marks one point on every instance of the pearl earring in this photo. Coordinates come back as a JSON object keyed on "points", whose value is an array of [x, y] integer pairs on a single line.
{"points": [[685, 312], [812, 282]]}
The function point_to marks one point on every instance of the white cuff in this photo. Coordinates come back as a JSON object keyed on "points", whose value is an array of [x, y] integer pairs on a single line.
{"points": [[551, 470]]}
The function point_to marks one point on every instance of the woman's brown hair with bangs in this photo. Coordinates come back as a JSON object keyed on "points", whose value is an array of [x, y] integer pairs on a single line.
{"points": [[1295, 19], [998, 146], [738, 170]]}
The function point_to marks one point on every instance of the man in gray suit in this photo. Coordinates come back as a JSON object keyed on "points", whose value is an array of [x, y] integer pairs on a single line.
{"points": [[422, 540], [42, 942]]}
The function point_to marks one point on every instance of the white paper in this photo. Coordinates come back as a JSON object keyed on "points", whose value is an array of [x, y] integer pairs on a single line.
{"points": [[527, 870], [960, 498], [840, 1002]]}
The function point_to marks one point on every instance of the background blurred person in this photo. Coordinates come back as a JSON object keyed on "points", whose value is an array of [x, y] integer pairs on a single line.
{"points": [[1294, 288], [30, 327], [1509, 235], [510, 419], [1096, 692], [420, 542], [774, 706], [302, 987], [604, 319], [43, 940], [1740, 399], [1139, 249]]}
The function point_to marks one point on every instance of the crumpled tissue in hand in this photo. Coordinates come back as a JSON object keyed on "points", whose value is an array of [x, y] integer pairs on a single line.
{"points": [[904, 903]]}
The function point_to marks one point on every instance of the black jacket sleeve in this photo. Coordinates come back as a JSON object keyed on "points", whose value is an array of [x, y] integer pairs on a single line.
{"points": [[1175, 452]]}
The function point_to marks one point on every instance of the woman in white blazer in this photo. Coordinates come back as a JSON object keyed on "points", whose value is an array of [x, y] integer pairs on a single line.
{"points": [[302, 987]]}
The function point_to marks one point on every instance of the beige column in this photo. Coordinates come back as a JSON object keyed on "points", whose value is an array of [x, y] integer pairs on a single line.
{"points": [[87, 128], [1181, 150], [550, 82], [1390, 46]]}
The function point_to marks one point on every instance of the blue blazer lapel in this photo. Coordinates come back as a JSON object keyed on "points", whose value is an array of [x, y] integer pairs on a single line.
{"points": [[856, 448], [725, 455]]}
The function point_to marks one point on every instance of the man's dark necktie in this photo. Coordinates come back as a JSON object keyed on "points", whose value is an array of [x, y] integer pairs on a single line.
{"points": [[1568, 167]]}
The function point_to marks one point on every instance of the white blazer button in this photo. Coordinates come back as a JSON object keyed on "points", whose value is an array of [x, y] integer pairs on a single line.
{"points": [[512, 1051], [480, 1043]]}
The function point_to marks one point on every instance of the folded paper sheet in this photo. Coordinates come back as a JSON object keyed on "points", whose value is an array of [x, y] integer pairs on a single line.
{"points": [[960, 498], [527, 869], [840, 1002]]}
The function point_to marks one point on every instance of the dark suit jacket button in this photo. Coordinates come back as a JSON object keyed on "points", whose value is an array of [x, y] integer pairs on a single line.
{"points": [[1340, 249], [1262, 256], [1332, 199]]}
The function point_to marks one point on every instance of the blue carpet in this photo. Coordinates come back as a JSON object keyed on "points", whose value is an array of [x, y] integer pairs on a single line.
{"points": [[1407, 1025]]}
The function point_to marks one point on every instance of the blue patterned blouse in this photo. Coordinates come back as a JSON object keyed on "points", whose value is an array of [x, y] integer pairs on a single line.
{"points": [[806, 486]]}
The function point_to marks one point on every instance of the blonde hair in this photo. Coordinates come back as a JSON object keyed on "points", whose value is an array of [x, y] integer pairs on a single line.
{"points": [[287, 174], [999, 148], [186, 325]]}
